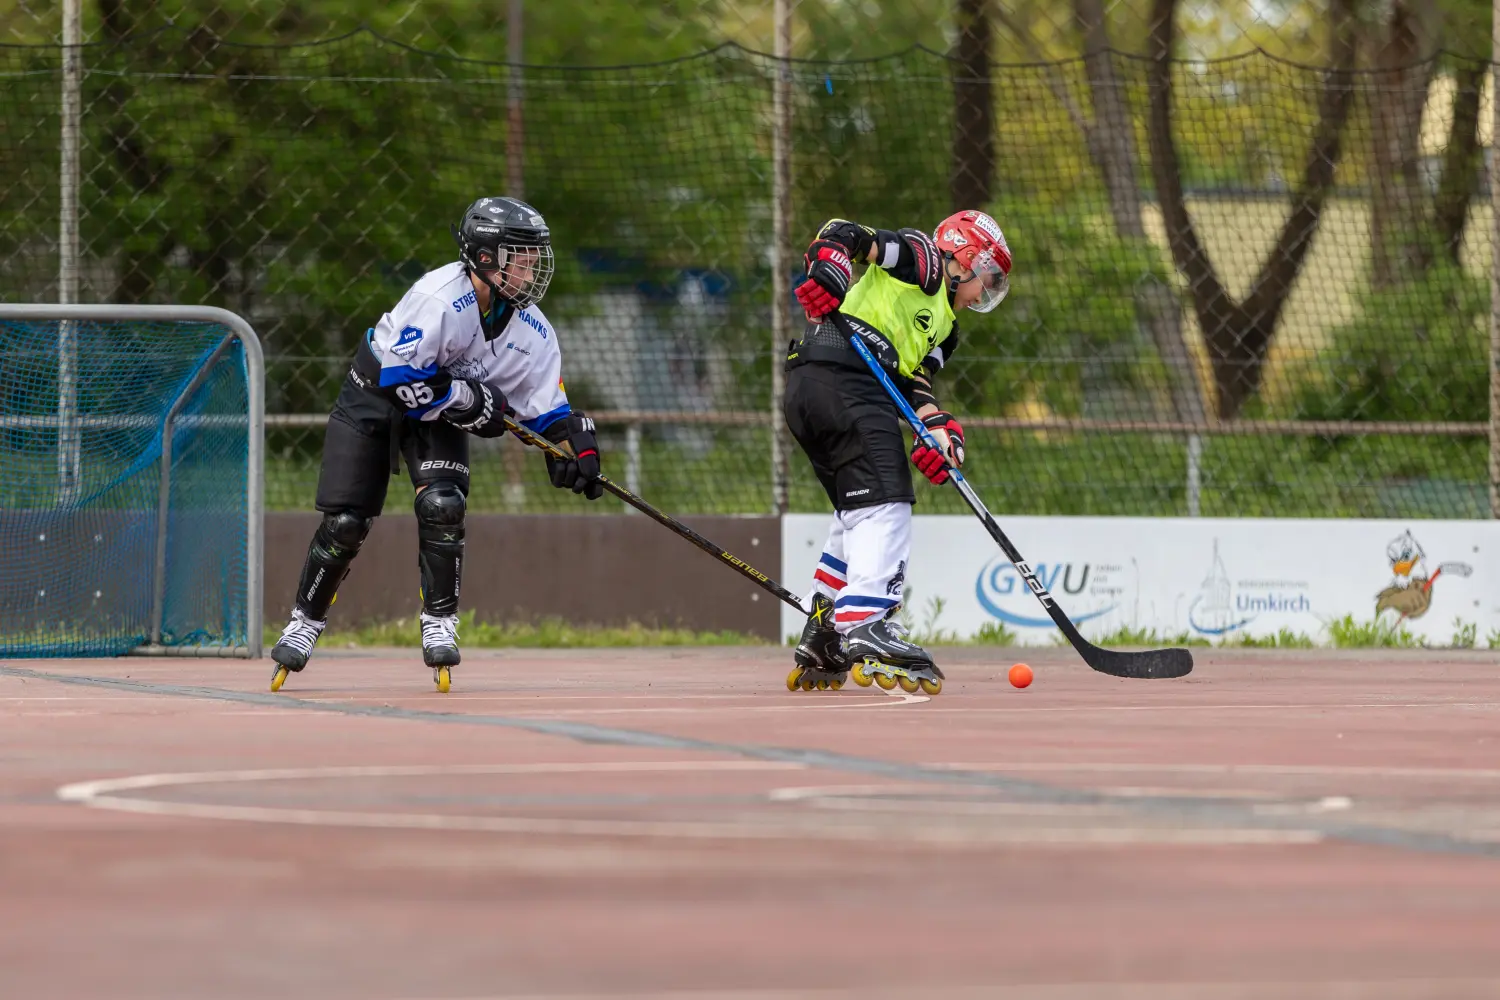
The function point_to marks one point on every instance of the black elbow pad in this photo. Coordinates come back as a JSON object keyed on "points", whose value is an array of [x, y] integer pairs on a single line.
{"points": [[927, 260]]}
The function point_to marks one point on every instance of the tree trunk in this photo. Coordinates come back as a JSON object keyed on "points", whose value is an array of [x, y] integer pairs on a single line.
{"points": [[1460, 180], [1112, 146], [1397, 96], [1238, 335], [973, 109]]}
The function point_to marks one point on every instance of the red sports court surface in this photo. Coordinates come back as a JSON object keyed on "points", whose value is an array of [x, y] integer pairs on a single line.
{"points": [[665, 823]]}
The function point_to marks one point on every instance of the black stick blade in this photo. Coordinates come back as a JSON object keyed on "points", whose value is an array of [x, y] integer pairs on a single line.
{"points": [[1148, 665]]}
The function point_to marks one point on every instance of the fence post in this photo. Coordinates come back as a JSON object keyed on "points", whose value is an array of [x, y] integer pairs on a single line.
{"points": [[632, 462], [512, 451], [69, 435], [1195, 473], [1494, 179], [781, 203]]}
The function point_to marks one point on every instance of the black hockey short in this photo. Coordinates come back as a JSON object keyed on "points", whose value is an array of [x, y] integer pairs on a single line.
{"points": [[365, 434], [851, 431]]}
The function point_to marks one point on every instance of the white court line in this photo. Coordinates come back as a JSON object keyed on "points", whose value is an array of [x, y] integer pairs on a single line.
{"points": [[1352, 770], [1189, 707], [1316, 989], [100, 794]]}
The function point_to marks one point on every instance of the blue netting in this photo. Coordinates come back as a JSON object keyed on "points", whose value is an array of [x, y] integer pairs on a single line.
{"points": [[80, 487]]}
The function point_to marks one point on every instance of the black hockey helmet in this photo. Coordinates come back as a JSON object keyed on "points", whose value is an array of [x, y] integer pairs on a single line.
{"points": [[507, 243]]}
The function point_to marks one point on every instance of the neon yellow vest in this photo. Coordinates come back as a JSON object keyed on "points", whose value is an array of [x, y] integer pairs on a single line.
{"points": [[913, 321]]}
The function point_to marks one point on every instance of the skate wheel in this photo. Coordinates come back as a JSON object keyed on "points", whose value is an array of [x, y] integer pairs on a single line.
{"points": [[793, 679], [279, 678], [444, 678], [862, 678], [823, 684], [908, 684], [886, 681], [836, 683], [807, 683], [933, 686]]}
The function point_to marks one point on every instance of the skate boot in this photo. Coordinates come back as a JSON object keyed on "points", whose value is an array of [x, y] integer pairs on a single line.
{"points": [[295, 646], [821, 663], [440, 647], [882, 655]]}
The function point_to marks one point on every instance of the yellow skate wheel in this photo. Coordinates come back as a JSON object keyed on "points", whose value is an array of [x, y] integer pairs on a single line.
{"points": [[444, 678], [886, 681], [279, 678], [793, 679], [807, 683], [908, 684], [823, 684], [836, 683], [862, 678], [933, 686]]}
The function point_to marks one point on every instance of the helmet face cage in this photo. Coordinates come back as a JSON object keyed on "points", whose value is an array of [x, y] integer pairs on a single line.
{"points": [[518, 272], [507, 243]]}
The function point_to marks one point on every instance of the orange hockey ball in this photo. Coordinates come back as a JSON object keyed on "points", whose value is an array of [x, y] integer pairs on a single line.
{"points": [[1020, 675]]}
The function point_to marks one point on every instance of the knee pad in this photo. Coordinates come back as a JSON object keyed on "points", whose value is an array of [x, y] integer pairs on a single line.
{"points": [[334, 546], [440, 511], [440, 545], [341, 534]]}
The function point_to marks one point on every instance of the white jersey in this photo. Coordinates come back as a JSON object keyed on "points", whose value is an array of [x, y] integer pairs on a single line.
{"points": [[436, 328]]}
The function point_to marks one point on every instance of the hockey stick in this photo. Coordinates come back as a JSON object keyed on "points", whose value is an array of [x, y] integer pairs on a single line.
{"points": [[1147, 664], [735, 563]]}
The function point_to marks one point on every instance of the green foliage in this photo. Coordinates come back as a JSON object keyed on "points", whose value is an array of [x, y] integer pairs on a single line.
{"points": [[1464, 634], [1380, 633], [1285, 638], [1127, 636], [546, 633], [1415, 352], [1048, 342], [994, 634]]}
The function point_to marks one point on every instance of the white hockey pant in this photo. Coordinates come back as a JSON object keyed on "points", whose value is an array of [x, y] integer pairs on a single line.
{"points": [[863, 566]]}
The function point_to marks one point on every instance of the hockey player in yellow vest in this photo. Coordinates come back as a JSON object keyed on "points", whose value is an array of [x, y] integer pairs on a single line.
{"points": [[904, 306]]}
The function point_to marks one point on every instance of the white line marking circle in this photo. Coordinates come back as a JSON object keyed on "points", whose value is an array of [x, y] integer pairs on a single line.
{"points": [[106, 794]]}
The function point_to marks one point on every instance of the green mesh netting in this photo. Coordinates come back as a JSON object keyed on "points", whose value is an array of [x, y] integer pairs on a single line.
{"points": [[307, 186]]}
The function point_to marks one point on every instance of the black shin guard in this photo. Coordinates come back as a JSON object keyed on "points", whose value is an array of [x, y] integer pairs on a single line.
{"points": [[440, 545], [334, 546]]}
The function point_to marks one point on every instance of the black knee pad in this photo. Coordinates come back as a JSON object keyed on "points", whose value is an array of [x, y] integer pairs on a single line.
{"points": [[341, 534], [440, 545], [334, 546], [440, 510]]}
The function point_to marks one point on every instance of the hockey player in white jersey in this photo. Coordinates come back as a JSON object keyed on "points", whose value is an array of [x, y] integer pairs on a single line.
{"points": [[465, 346]]}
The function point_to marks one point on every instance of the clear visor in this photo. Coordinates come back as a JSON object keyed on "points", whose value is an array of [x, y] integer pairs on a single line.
{"points": [[524, 273], [994, 283]]}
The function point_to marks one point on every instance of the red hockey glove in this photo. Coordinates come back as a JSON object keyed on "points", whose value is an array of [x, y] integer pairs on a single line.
{"points": [[932, 463], [829, 272]]}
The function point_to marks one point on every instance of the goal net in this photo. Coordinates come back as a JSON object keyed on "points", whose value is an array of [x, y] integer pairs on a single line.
{"points": [[130, 481]]}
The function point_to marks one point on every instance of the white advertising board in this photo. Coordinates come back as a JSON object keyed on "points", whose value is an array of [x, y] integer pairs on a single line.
{"points": [[1207, 577]]}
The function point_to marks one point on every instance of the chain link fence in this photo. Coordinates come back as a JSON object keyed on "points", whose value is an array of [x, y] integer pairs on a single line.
{"points": [[1242, 285]]}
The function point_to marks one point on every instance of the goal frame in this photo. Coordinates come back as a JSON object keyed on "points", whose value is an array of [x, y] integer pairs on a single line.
{"points": [[239, 329]]}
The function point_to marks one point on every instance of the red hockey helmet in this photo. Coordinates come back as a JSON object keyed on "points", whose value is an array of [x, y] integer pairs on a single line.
{"points": [[975, 242]]}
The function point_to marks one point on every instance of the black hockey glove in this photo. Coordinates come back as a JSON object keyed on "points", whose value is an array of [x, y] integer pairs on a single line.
{"points": [[479, 410], [579, 473]]}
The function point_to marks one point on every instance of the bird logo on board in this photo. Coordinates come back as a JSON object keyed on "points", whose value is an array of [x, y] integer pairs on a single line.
{"points": [[923, 320], [1410, 591]]}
